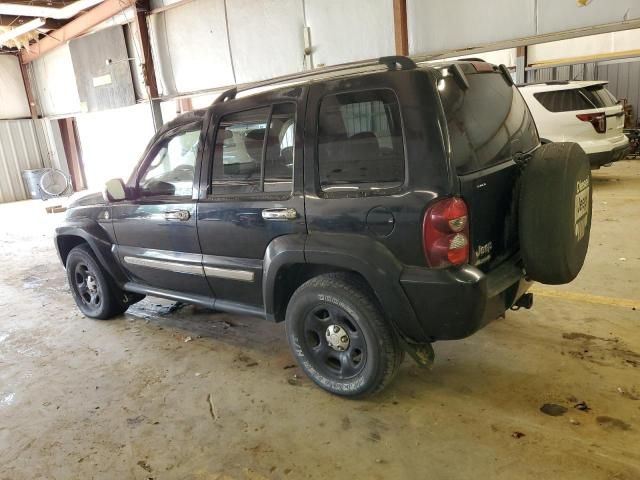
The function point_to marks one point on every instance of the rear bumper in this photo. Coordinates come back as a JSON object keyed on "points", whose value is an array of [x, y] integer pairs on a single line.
{"points": [[602, 158], [454, 303]]}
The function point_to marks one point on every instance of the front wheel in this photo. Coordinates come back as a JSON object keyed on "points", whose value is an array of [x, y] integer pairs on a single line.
{"points": [[95, 293], [340, 337]]}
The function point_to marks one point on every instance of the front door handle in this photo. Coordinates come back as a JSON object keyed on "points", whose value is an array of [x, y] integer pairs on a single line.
{"points": [[181, 215], [279, 214]]}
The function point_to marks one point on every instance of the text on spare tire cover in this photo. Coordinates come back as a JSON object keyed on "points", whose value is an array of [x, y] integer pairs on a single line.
{"points": [[582, 207]]}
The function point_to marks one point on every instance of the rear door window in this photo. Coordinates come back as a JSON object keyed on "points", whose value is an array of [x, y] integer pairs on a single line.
{"points": [[487, 123], [360, 145], [254, 151]]}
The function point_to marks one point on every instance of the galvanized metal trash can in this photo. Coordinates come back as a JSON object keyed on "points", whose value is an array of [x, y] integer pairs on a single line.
{"points": [[31, 179]]}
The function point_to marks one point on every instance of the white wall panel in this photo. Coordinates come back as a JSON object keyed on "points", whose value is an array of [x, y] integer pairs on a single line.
{"points": [[560, 15], [192, 39], [266, 38], [345, 31], [55, 82], [602, 44], [506, 57], [112, 142], [626, 40], [19, 151], [440, 25], [13, 98]]}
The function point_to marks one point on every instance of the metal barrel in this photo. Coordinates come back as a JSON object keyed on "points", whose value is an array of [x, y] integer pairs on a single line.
{"points": [[31, 179]]}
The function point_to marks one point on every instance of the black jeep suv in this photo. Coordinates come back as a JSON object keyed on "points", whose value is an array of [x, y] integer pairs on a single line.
{"points": [[375, 208]]}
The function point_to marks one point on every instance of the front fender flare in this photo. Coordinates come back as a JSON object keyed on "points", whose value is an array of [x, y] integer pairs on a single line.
{"points": [[99, 241]]}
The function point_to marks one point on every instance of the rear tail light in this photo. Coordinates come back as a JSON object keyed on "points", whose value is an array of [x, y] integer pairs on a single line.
{"points": [[598, 120], [445, 233]]}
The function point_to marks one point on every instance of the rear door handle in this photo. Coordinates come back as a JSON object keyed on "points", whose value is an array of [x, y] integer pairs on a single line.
{"points": [[279, 214], [181, 215]]}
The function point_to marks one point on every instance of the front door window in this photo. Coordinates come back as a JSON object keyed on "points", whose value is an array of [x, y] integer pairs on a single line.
{"points": [[171, 170]]}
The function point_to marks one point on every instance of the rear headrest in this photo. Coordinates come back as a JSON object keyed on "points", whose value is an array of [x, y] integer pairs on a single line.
{"points": [[253, 140], [256, 135], [331, 122]]}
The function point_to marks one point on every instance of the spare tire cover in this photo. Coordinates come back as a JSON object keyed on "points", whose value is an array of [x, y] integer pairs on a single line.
{"points": [[555, 213]]}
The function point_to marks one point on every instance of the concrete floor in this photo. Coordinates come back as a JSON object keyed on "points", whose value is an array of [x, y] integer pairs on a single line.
{"points": [[129, 398]]}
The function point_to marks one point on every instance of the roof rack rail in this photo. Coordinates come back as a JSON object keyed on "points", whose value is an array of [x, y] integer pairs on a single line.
{"points": [[394, 61], [473, 59], [398, 62], [544, 82], [226, 95]]}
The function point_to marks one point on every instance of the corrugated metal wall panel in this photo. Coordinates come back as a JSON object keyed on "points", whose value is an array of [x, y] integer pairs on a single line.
{"points": [[19, 151]]}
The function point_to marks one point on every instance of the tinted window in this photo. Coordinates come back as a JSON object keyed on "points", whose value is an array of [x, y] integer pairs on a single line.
{"points": [[487, 123], [172, 168], [599, 96], [278, 166], [240, 150], [564, 100], [360, 142]]}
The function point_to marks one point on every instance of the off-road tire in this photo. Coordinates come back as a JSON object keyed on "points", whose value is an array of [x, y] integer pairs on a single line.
{"points": [[111, 301], [347, 293]]}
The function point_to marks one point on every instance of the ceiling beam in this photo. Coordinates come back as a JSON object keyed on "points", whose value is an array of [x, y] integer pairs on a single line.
{"points": [[23, 29], [10, 21], [148, 69], [76, 27], [22, 10]]}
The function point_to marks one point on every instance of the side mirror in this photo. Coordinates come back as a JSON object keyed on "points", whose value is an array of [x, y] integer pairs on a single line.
{"points": [[114, 190]]}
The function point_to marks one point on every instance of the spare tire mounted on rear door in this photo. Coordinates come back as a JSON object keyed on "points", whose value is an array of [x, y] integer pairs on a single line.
{"points": [[555, 213]]}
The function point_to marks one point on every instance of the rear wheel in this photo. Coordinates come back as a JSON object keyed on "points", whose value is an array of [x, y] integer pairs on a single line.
{"points": [[340, 337], [95, 293]]}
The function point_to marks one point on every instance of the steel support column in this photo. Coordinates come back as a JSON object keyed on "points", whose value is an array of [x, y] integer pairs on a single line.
{"points": [[521, 64]]}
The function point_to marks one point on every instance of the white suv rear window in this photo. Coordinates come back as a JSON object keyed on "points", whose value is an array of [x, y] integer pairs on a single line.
{"points": [[570, 100]]}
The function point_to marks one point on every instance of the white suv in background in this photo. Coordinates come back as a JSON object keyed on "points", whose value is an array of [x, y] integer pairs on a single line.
{"points": [[584, 112]]}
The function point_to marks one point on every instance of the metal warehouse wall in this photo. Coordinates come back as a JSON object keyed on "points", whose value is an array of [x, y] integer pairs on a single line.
{"points": [[623, 77], [19, 150]]}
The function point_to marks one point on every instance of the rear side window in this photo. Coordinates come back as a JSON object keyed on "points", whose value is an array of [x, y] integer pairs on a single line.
{"points": [[487, 123], [360, 144]]}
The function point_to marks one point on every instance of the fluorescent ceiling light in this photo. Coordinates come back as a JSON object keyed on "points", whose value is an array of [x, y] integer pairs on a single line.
{"points": [[69, 11], [22, 29]]}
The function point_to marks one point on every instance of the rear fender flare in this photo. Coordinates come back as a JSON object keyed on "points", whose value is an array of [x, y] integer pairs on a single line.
{"points": [[357, 253]]}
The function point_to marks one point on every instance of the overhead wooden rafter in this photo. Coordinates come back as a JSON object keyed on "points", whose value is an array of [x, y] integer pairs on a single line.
{"points": [[400, 27], [76, 27]]}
